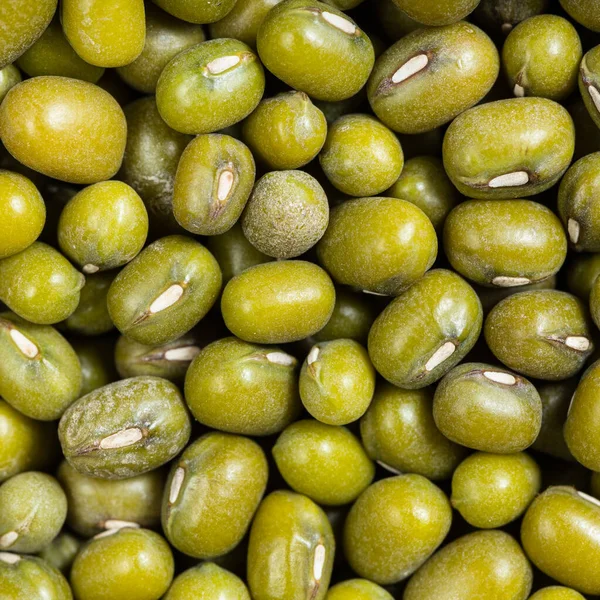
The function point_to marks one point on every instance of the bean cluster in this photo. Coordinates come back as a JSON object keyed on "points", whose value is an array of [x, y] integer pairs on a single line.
{"points": [[299, 300]]}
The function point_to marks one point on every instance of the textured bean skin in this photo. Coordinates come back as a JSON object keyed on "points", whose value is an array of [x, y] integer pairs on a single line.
{"points": [[23, 210], [151, 405], [551, 342], [585, 13], [577, 205], [473, 410], [484, 564], [135, 562], [243, 388], [394, 526], [199, 205], [27, 444], [424, 182], [589, 81], [197, 11], [278, 302], [170, 360], [557, 592], [292, 530], [193, 97], [286, 131], [234, 252], [352, 318], [398, 431], [9, 77], [171, 263], [583, 420], [53, 55], [286, 215], [462, 65], [23, 21], [33, 508], [205, 582], [315, 41], [64, 128], [312, 456], [566, 521], [541, 57], [40, 385], [500, 17], [526, 135], [104, 226], [381, 245], [105, 33], [94, 502], [207, 525], [361, 156], [337, 381], [31, 577], [430, 12], [357, 589], [40, 284], [491, 490], [243, 20], [91, 315], [439, 309], [487, 241], [299, 299]]}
